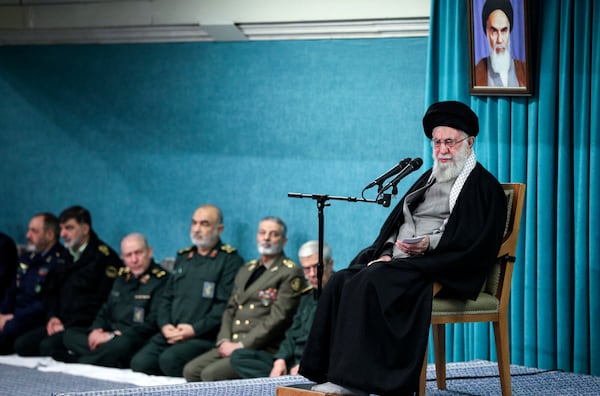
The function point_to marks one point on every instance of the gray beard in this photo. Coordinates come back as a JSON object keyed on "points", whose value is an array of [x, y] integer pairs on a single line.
{"points": [[449, 171], [206, 242]]}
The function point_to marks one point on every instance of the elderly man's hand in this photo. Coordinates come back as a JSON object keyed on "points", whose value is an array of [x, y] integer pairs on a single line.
{"points": [[414, 248]]}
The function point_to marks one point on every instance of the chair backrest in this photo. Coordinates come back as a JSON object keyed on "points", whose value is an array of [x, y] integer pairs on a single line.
{"points": [[500, 276]]}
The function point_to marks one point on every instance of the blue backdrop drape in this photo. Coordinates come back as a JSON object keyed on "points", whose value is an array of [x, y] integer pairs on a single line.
{"points": [[549, 141]]}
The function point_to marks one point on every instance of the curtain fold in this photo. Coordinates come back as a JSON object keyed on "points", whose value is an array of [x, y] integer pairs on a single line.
{"points": [[550, 142]]}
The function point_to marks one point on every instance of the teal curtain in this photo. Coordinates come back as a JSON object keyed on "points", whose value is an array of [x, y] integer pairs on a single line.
{"points": [[550, 142]]}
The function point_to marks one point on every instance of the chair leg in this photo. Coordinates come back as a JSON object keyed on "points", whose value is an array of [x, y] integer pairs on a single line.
{"points": [[503, 353], [439, 351], [423, 375]]}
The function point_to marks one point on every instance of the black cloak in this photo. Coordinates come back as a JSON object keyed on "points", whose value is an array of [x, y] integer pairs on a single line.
{"points": [[372, 323]]}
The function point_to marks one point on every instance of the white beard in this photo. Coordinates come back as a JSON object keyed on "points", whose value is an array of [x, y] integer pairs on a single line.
{"points": [[500, 62], [450, 170], [270, 249]]}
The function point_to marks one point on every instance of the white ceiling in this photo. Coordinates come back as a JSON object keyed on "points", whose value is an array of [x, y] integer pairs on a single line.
{"points": [[114, 21]]}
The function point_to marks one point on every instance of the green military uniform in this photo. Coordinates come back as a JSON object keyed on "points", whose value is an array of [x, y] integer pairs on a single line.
{"points": [[131, 309], [256, 316], [252, 363], [196, 293]]}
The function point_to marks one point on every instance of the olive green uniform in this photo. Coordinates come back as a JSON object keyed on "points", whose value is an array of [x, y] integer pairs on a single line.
{"points": [[196, 294], [252, 363], [131, 309], [256, 316]]}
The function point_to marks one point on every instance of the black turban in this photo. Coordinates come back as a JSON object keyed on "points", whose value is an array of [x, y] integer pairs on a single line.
{"points": [[493, 5], [451, 114]]}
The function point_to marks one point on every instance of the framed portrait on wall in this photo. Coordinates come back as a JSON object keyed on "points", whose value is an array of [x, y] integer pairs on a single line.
{"points": [[499, 58]]}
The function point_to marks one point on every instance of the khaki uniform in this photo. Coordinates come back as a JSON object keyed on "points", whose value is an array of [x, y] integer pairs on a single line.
{"points": [[252, 363], [257, 316]]}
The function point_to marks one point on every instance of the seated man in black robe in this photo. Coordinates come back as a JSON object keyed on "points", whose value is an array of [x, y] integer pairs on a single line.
{"points": [[371, 326]]}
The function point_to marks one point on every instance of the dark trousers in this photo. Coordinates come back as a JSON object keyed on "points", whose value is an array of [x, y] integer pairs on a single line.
{"points": [[159, 358], [37, 342], [250, 363], [13, 329], [114, 353]]}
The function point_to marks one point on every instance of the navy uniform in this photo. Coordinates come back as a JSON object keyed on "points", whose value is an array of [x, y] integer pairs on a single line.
{"points": [[252, 363], [130, 309], [196, 293], [78, 290], [27, 297], [257, 315]]}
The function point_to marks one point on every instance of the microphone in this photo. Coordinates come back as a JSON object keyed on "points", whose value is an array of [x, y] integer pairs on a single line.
{"points": [[411, 167], [401, 165]]}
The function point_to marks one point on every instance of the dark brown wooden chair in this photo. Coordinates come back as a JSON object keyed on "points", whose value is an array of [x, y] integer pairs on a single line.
{"points": [[490, 306]]}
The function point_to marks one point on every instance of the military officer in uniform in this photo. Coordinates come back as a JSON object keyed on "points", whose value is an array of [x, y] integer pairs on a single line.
{"points": [[252, 363], [128, 318], [264, 299], [194, 298], [25, 303], [77, 289]]}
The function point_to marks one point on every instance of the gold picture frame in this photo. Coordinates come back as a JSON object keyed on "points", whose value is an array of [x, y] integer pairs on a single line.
{"points": [[499, 57]]}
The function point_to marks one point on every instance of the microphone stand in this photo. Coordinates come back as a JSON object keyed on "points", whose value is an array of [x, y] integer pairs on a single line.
{"points": [[322, 199]]}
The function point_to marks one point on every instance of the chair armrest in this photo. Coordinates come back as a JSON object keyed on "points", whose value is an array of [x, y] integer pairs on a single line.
{"points": [[436, 288]]}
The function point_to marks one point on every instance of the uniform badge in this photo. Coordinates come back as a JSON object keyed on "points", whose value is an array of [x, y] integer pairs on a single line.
{"points": [[208, 289], [289, 263], [43, 271], [213, 253], [138, 314], [158, 273], [144, 279], [190, 255], [228, 249], [111, 272], [251, 265], [267, 295], [296, 284], [104, 250]]}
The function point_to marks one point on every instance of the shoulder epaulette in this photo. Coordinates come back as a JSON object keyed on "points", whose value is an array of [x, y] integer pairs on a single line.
{"points": [[228, 249], [307, 289], [250, 265], [112, 272], [185, 250], [104, 249], [252, 262], [289, 263], [158, 273]]}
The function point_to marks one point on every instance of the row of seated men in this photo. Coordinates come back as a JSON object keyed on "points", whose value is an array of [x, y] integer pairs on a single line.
{"points": [[211, 318]]}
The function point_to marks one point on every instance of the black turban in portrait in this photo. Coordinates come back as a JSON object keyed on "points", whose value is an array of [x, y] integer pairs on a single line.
{"points": [[493, 5]]}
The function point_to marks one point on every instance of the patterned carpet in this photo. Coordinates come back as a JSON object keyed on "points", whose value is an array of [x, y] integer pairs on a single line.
{"points": [[468, 378]]}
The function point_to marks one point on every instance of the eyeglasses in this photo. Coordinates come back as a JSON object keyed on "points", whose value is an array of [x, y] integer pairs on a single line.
{"points": [[437, 143], [309, 268]]}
